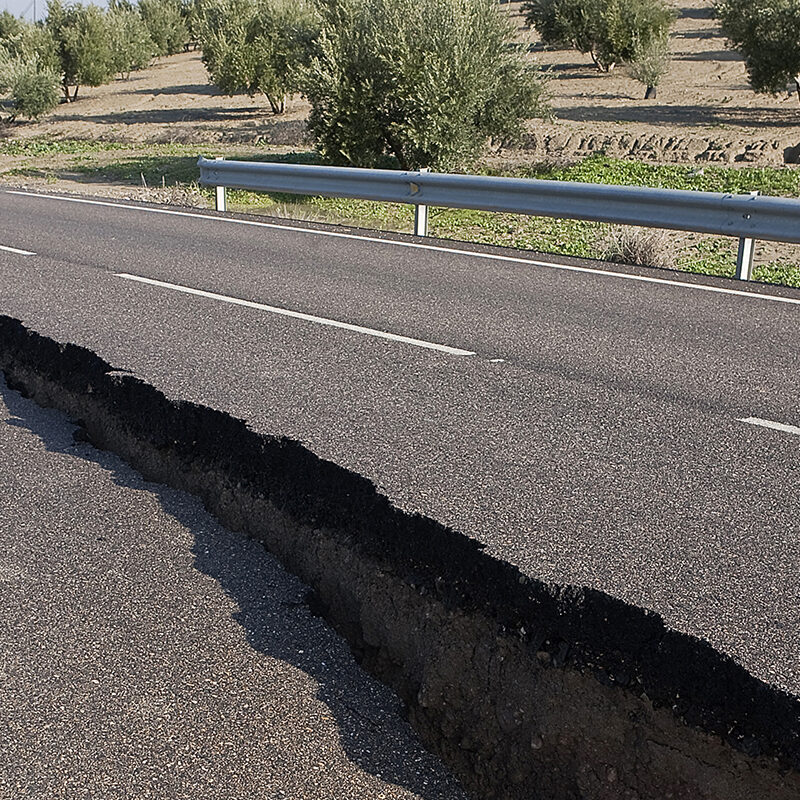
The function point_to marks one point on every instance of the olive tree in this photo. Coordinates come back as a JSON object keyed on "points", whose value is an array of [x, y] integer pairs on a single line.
{"points": [[166, 25], [281, 36], [25, 41], [131, 45], [34, 89], [426, 81], [29, 67], [649, 65], [31, 85], [767, 34], [10, 26], [83, 44], [257, 48], [610, 31]]}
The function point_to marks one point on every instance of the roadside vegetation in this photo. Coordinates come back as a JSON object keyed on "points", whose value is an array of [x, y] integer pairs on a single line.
{"points": [[168, 173], [82, 45], [610, 31]]}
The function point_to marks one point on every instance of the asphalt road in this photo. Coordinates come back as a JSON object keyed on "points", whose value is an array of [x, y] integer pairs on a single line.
{"points": [[594, 437], [146, 652]]}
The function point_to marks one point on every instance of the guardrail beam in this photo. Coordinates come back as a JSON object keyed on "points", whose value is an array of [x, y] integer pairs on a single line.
{"points": [[745, 217]]}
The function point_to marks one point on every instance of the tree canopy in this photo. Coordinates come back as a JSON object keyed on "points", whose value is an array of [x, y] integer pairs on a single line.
{"points": [[426, 81], [611, 31], [767, 34]]}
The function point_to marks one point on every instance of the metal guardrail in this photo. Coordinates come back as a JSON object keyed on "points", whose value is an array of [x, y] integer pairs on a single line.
{"points": [[746, 217]]}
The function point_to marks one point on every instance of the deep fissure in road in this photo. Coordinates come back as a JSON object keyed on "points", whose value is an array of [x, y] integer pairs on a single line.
{"points": [[524, 689]]}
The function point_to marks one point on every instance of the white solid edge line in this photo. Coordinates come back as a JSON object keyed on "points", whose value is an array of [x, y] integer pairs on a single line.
{"points": [[16, 250], [768, 423], [442, 348], [420, 246]]}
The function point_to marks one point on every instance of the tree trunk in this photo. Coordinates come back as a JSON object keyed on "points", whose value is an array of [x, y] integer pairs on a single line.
{"points": [[277, 106], [75, 93], [67, 98], [797, 86], [651, 93], [395, 148], [603, 66]]}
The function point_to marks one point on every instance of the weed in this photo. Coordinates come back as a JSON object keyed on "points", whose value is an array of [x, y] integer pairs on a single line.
{"points": [[641, 246], [177, 195]]}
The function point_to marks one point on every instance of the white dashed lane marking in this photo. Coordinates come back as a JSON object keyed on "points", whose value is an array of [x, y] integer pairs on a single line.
{"points": [[16, 250], [768, 423], [285, 312]]}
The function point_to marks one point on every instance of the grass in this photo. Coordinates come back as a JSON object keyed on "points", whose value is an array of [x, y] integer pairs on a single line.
{"points": [[153, 169], [176, 165], [734, 180], [49, 147]]}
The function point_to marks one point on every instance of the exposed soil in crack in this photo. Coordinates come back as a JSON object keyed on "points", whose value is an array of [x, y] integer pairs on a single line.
{"points": [[524, 689]]}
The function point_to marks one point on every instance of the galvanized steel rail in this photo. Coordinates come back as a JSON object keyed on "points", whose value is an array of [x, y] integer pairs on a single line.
{"points": [[746, 217]]}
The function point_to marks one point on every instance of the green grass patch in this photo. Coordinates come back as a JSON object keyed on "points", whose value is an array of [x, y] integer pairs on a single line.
{"points": [[711, 255], [170, 164], [774, 181], [49, 147], [780, 272], [155, 170]]}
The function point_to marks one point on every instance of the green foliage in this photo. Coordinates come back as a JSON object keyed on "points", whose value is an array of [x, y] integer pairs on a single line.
{"points": [[767, 34], [220, 27], [6, 67], [34, 89], [426, 81], [10, 26], [256, 48], [165, 24], [281, 36], [611, 31], [131, 45], [782, 272], [28, 67], [25, 41], [774, 181], [651, 62], [40, 146], [37, 42], [83, 45]]}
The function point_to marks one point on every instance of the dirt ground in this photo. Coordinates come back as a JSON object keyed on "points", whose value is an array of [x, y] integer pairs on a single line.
{"points": [[705, 111]]}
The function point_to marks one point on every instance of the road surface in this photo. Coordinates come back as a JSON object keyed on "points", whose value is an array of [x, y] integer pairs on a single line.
{"points": [[631, 430]]}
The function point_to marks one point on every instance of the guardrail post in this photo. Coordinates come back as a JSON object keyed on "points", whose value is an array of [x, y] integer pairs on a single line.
{"points": [[220, 198], [744, 258], [421, 215]]}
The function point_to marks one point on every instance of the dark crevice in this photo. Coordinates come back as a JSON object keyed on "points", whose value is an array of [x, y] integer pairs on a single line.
{"points": [[524, 689]]}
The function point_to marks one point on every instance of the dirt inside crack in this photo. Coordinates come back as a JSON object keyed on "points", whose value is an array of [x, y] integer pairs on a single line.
{"points": [[525, 690]]}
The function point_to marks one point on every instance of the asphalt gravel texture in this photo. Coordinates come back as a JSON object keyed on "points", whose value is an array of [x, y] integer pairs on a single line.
{"points": [[594, 438], [148, 652]]}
